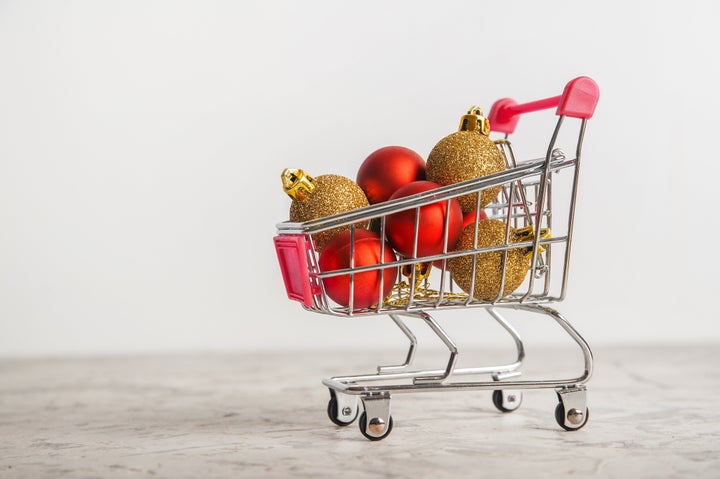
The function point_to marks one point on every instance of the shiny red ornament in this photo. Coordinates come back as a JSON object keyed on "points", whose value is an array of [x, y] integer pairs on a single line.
{"points": [[400, 226], [366, 287], [387, 169], [469, 217]]}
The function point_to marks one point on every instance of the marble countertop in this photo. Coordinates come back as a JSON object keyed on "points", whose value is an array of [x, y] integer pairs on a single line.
{"points": [[655, 412]]}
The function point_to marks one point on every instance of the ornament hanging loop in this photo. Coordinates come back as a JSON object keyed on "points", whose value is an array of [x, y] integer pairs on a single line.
{"points": [[474, 120], [297, 184]]}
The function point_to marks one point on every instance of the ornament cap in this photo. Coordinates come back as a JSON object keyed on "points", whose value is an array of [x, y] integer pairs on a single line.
{"points": [[474, 120], [528, 234], [422, 271], [297, 184]]}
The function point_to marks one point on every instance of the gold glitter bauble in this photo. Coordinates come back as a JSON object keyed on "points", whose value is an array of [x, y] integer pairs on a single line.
{"points": [[329, 195], [488, 269], [465, 155]]}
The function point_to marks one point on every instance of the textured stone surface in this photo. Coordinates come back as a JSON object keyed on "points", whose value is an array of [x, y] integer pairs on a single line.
{"points": [[654, 413]]}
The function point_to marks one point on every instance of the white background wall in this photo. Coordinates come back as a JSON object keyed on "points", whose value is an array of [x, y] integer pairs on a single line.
{"points": [[141, 144]]}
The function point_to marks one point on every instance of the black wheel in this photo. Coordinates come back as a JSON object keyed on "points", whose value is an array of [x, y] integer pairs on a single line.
{"points": [[362, 422], [506, 406], [332, 411], [560, 418]]}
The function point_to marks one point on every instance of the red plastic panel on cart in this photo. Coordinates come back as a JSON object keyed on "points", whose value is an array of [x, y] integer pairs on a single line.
{"points": [[292, 256]]}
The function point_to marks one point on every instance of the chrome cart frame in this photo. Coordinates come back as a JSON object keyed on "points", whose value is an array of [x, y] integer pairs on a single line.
{"points": [[525, 201]]}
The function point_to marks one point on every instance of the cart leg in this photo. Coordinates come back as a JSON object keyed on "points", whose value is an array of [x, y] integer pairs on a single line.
{"points": [[411, 352], [450, 345], [512, 331], [572, 332], [376, 422], [572, 412], [508, 400]]}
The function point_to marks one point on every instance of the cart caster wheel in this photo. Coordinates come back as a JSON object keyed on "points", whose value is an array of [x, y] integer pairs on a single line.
{"points": [[506, 401], [348, 413], [377, 426], [577, 418]]}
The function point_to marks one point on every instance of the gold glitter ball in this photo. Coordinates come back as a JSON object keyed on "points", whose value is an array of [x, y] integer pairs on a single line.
{"points": [[488, 269], [462, 156], [333, 194]]}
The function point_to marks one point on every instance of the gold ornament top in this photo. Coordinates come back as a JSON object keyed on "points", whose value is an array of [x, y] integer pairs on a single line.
{"points": [[297, 184], [475, 121], [528, 234]]}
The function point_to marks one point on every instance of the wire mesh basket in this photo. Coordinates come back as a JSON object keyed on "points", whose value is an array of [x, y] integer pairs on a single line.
{"points": [[514, 254]]}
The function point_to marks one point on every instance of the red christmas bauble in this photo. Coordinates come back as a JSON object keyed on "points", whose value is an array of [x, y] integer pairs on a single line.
{"points": [[400, 227], [387, 169], [366, 287], [469, 217]]}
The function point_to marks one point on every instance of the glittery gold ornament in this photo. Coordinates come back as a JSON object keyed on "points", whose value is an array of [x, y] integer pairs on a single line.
{"points": [[467, 154], [488, 268], [324, 195]]}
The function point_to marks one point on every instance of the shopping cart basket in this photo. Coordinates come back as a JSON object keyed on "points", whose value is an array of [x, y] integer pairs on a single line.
{"points": [[531, 200]]}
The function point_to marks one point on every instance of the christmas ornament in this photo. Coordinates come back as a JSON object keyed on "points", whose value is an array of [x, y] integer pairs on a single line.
{"points": [[416, 288], [325, 195], [387, 169], [466, 154], [366, 284], [468, 218], [488, 268], [400, 227]]}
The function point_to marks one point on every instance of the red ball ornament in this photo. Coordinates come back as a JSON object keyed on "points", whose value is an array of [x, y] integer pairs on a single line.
{"points": [[400, 226], [366, 287], [469, 217], [387, 169]]}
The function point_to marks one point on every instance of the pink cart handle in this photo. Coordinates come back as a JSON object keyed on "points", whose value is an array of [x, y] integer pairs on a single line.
{"points": [[578, 100]]}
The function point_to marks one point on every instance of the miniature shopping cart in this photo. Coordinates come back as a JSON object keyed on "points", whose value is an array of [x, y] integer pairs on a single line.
{"points": [[539, 195]]}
